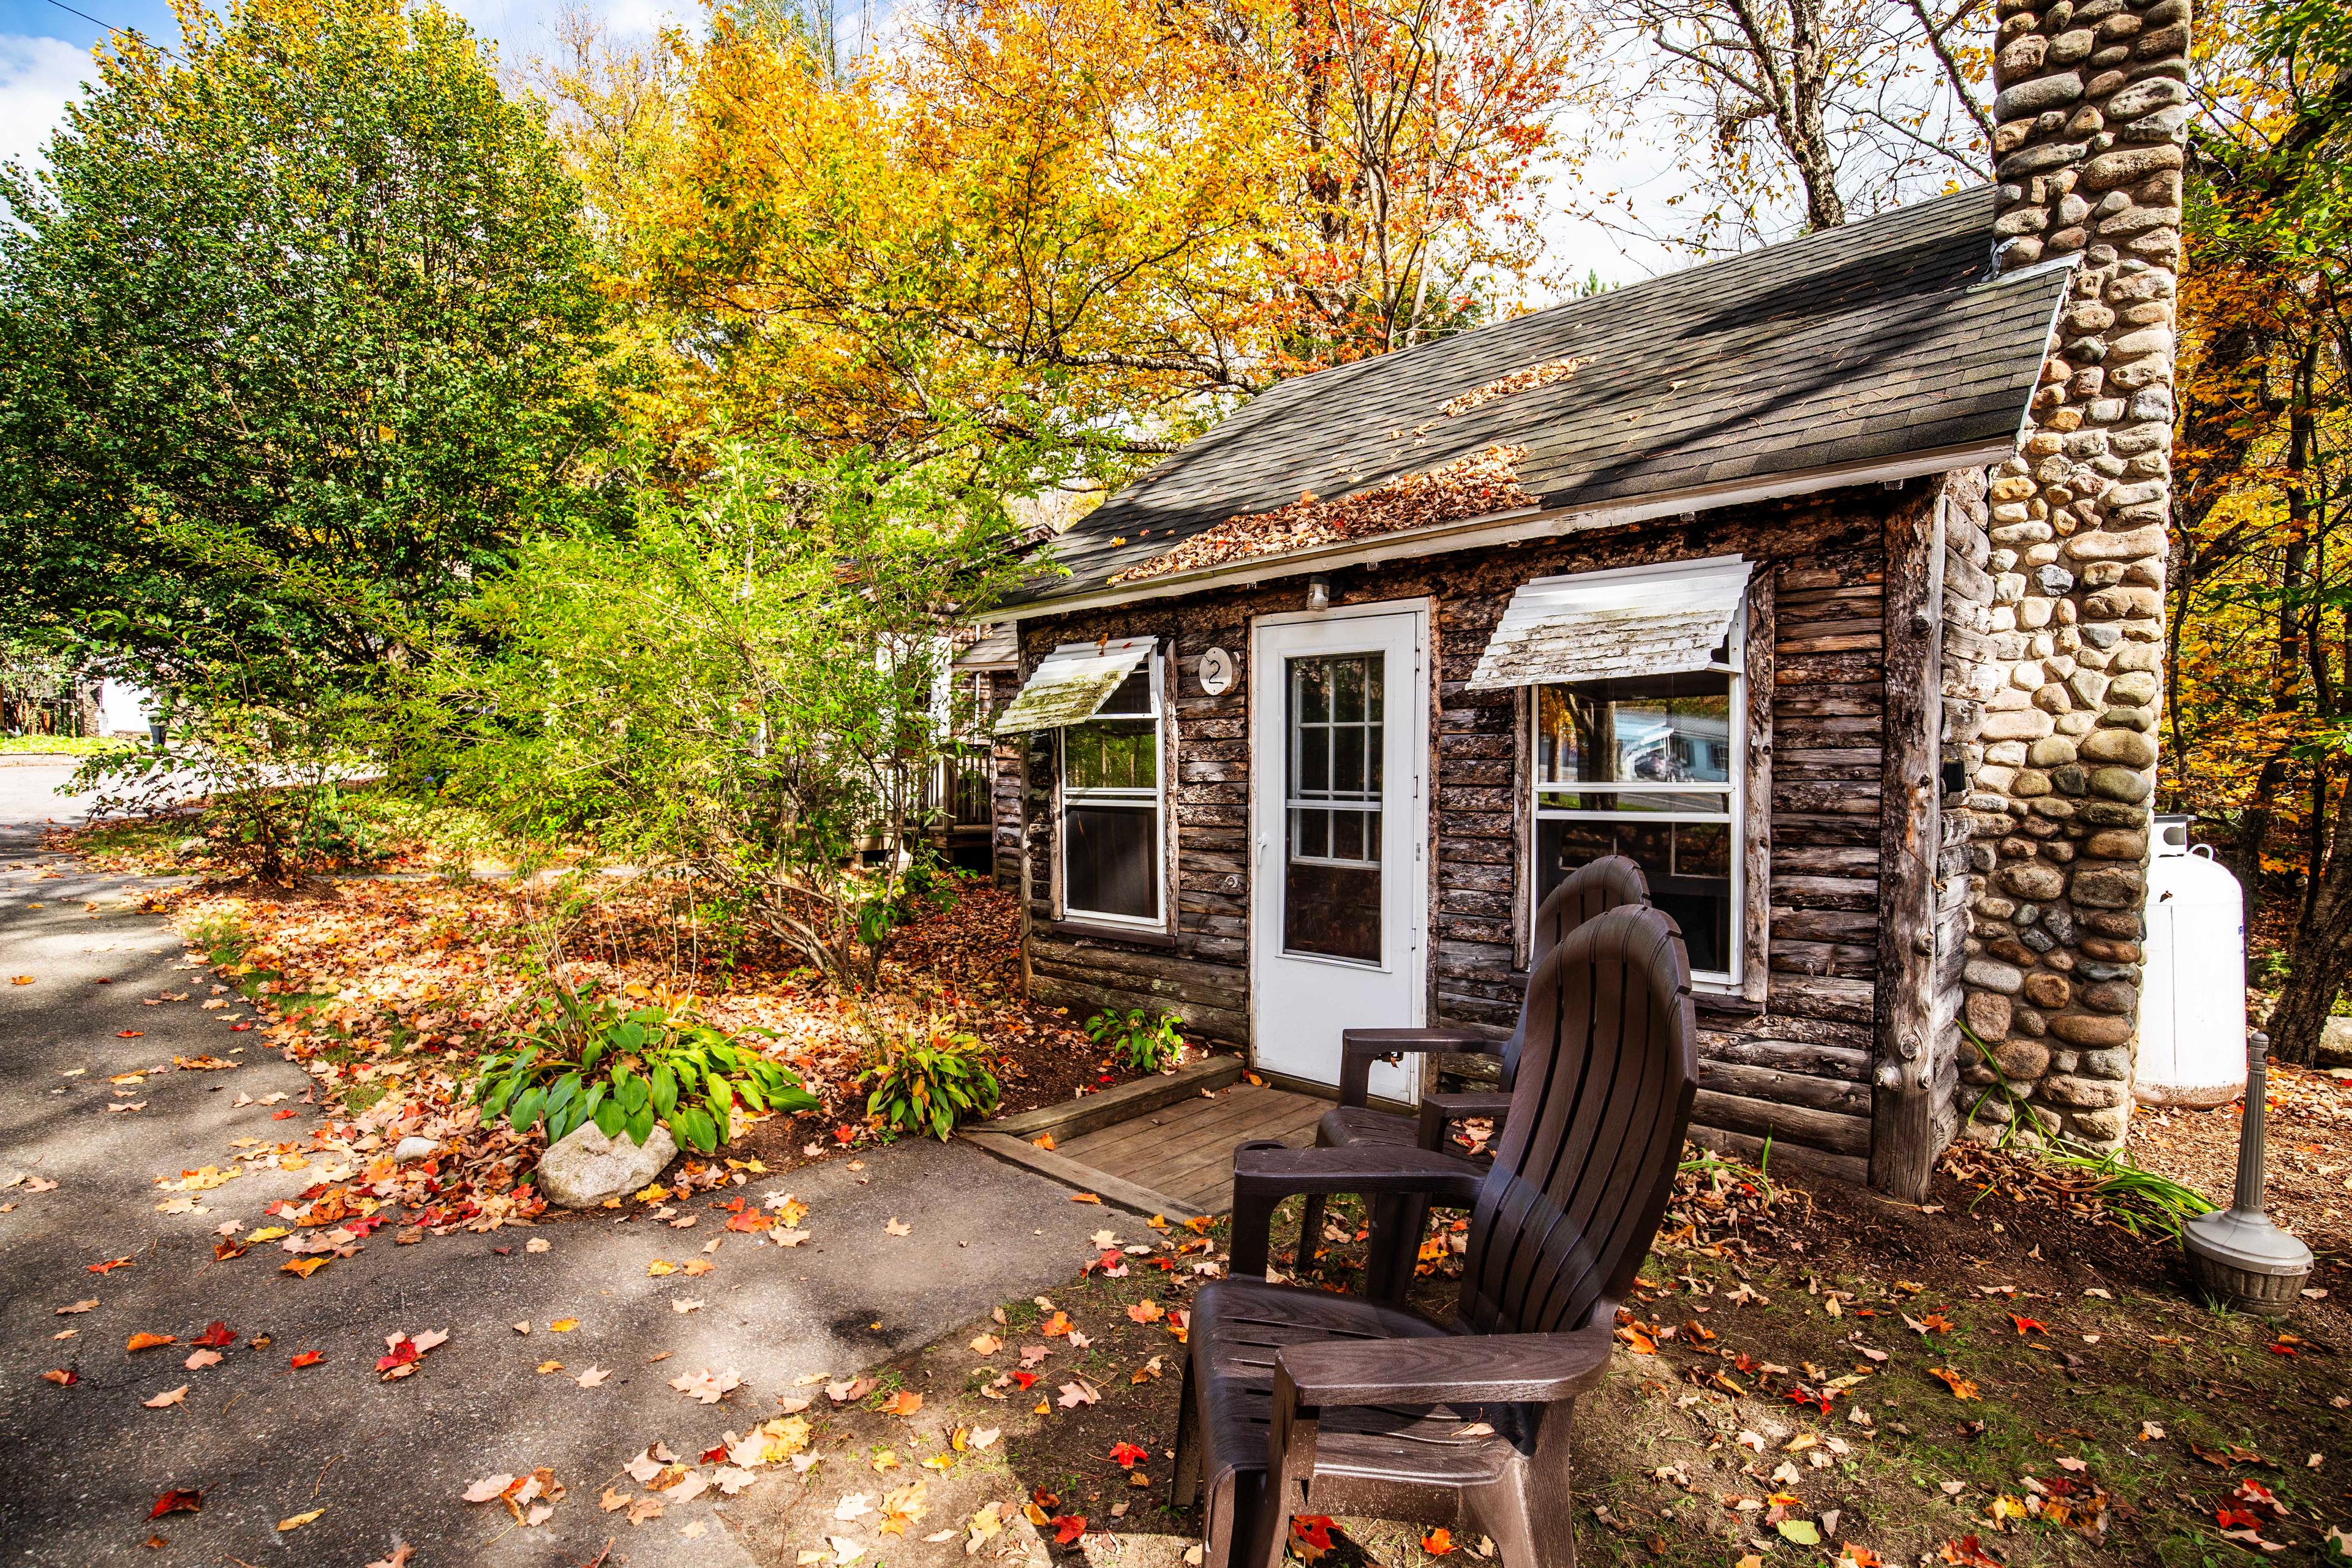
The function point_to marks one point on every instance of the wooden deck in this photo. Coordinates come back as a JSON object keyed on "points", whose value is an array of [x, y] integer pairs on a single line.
{"points": [[1186, 1151], [1160, 1145]]}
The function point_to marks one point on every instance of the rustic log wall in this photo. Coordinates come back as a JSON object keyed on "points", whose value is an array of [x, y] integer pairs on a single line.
{"points": [[1794, 1066]]}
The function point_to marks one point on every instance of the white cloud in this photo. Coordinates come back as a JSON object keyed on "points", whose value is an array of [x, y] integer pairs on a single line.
{"points": [[38, 76]]}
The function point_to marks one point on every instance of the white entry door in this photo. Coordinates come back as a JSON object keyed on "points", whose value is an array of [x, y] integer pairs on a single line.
{"points": [[1340, 757]]}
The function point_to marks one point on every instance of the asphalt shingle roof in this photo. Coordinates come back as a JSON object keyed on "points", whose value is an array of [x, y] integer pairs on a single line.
{"points": [[1884, 338]]}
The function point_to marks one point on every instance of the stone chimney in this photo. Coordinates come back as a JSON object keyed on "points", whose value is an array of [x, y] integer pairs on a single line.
{"points": [[2090, 122]]}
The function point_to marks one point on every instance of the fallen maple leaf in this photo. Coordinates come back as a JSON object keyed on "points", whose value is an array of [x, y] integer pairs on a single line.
{"points": [[77, 1306], [172, 1396], [895, 1226], [1074, 1395], [1127, 1455], [217, 1337], [593, 1377], [109, 1266], [307, 1358], [61, 1377], [2029, 1325], [986, 1345], [488, 1487], [562, 1325], [1068, 1528], [904, 1402], [177, 1501], [299, 1521], [145, 1341], [1951, 1378], [708, 1386], [1438, 1541]]}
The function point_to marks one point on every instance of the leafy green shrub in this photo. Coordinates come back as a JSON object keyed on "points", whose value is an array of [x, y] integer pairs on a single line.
{"points": [[587, 1059], [1142, 1042], [929, 1082]]}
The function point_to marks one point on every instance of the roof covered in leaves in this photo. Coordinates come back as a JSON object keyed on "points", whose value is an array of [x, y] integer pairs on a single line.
{"points": [[1883, 339]]}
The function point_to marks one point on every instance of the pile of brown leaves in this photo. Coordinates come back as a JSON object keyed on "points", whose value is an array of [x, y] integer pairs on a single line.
{"points": [[1518, 381], [1474, 485], [1723, 1208]]}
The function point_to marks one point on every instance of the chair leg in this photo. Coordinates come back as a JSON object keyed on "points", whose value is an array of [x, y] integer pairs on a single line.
{"points": [[1310, 1227], [1186, 1486], [1286, 1494], [1527, 1533]]}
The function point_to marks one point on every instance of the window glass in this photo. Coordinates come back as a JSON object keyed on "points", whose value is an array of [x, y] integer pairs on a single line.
{"points": [[1668, 746], [1110, 860], [1111, 808], [1331, 889], [1113, 754]]}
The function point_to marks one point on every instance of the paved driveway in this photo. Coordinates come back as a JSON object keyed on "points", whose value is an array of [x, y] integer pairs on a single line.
{"points": [[264, 1442]]}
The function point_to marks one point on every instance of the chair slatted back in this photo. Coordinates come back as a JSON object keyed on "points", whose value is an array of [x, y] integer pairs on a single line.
{"points": [[1598, 1114], [1592, 889]]}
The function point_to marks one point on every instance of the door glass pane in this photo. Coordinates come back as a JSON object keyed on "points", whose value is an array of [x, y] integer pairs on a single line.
{"points": [[1688, 864], [1331, 885], [1110, 863]]}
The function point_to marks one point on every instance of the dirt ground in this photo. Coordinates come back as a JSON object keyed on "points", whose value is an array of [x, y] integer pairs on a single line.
{"points": [[1985, 1378]]}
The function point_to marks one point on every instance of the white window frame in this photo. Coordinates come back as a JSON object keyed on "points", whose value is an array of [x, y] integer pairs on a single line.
{"points": [[1156, 799], [1735, 793]]}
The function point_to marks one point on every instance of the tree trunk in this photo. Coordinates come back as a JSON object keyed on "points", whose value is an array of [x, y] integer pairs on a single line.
{"points": [[2322, 951]]}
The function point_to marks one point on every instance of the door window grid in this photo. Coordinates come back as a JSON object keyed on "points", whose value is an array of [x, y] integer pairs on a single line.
{"points": [[1112, 792], [1649, 813], [1337, 740]]}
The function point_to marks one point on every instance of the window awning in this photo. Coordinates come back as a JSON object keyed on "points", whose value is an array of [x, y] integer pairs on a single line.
{"points": [[1600, 626], [1073, 683]]}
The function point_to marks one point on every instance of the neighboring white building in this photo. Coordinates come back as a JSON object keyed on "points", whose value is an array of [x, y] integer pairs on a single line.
{"points": [[123, 709]]}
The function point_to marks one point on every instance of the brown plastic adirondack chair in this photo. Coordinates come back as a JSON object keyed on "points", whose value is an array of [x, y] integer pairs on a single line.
{"points": [[1592, 889], [1298, 1401]]}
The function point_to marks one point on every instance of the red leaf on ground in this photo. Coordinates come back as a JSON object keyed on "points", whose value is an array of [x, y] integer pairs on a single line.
{"points": [[307, 1358], [1068, 1528], [2029, 1325], [61, 1377], [1127, 1455], [1312, 1531], [177, 1501], [129, 1034], [218, 1337], [108, 1267], [1024, 1380]]}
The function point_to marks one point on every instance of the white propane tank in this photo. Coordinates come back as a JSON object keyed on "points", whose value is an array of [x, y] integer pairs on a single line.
{"points": [[2192, 1016]]}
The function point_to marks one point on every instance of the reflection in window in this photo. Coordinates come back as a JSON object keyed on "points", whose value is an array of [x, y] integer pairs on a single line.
{"points": [[1647, 767]]}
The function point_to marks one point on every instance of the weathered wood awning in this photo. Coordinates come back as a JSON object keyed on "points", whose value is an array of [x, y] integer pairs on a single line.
{"points": [[1598, 625], [1072, 684]]}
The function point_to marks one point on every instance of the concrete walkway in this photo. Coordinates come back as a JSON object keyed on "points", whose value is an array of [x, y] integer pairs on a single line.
{"points": [[386, 1461]]}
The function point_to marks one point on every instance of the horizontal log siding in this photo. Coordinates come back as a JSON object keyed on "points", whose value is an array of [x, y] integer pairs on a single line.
{"points": [[1796, 1070]]}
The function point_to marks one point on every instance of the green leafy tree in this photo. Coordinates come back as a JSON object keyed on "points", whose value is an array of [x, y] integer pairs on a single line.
{"points": [[744, 691], [296, 337]]}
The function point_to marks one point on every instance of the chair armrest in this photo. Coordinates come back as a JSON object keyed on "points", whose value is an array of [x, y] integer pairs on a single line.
{"points": [[1439, 1112], [1360, 1048], [1462, 1369], [1264, 1176]]}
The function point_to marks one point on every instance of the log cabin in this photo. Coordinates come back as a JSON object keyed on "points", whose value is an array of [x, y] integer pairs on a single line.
{"points": [[1733, 571]]}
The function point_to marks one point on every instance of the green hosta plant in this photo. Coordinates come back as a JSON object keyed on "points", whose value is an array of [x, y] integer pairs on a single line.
{"points": [[929, 1083], [590, 1059], [1143, 1042]]}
